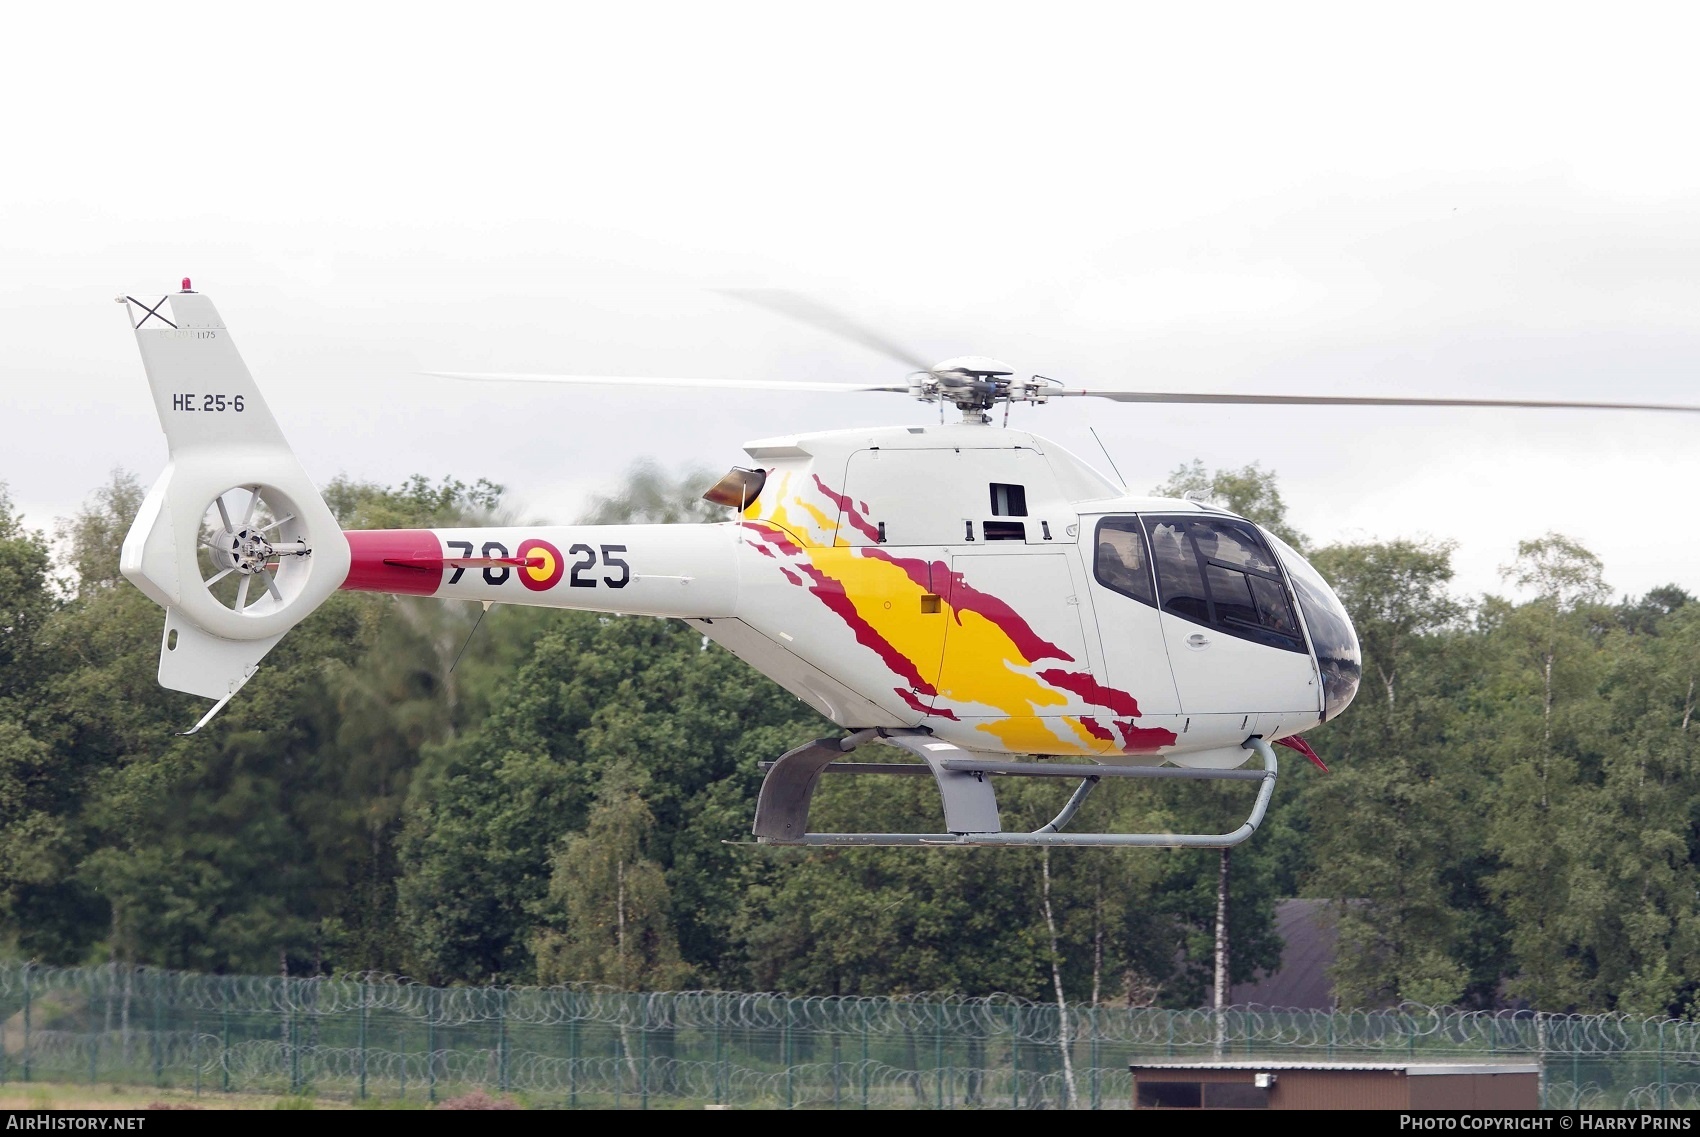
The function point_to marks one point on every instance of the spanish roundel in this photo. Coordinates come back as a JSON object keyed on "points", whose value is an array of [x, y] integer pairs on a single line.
{"points": [[540, 578]]}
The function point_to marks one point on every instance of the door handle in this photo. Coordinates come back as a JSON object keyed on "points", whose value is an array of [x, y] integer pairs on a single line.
{"points": [[1197, 641]]}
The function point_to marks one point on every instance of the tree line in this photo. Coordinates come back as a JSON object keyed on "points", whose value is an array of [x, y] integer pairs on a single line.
{"points": [[418, 788]]}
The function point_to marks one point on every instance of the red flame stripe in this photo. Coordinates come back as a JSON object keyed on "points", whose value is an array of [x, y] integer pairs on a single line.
{"points": [[848, 508], [964, 597], [1095, 728], [774, 536], [1143, 739], [916, 705], [1088, 688], [831, 593]]}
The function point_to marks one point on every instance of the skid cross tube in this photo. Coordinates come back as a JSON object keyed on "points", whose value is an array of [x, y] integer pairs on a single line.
{"points": [[970, 804]]}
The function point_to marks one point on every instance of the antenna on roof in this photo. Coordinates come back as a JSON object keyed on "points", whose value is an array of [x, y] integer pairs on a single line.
{"points": [[1107, 457]]}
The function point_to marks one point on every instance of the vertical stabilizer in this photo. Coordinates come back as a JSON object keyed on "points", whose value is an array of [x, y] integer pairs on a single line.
{"points": [[233, 540]]}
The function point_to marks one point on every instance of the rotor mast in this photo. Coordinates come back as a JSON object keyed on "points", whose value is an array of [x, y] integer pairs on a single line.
{"points": [[974, 384]]}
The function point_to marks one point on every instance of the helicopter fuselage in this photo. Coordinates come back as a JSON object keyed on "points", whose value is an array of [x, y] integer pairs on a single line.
{"points": [[981, 583]]}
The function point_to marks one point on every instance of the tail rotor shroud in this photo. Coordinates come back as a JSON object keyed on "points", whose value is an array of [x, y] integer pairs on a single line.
{"points": [[262, 559], [233, 540]]}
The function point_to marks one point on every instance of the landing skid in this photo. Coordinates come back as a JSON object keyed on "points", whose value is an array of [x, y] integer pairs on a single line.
{"points": [[970, 802]]}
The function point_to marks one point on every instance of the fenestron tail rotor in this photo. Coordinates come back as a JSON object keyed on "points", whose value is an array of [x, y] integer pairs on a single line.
{"points": [[247, 548]]}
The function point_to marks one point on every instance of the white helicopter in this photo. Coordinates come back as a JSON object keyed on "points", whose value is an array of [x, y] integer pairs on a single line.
{"points": [[977, 596]]}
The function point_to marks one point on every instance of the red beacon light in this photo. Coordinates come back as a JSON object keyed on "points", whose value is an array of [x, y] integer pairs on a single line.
{"points": [[186, 287]]}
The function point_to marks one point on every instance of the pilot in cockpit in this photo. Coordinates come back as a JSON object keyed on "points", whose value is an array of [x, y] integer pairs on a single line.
{"points": [[1115, 571]]}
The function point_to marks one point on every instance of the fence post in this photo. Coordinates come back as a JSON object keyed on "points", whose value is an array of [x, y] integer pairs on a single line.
{"points": [[938, 1055], [502, 1038], [363, 996], [719, 1052], [643, 1036], [158, 1030], [864, 1054], [224, 1030], [1664, 1088], [1015, 1056], [433, 1003], [1095, 1056], [27, 967], [290, 991], [572, 1050], [785, 1056], [401, 1045]]}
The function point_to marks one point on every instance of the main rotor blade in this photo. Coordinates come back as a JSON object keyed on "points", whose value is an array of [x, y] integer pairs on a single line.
{"points": [[658, 381], [1350, 400], [806, 310]]}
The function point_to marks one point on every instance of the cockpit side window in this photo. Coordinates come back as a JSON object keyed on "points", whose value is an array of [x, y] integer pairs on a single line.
{"points": [[1178, 574], [1121, 563], [1218, 572]]}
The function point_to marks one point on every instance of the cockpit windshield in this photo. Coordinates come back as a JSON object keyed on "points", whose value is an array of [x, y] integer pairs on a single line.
{"points": [[1331, 633]]}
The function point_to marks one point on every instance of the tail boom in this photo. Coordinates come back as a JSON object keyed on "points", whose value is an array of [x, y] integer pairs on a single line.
{"points": [[683, 571]]}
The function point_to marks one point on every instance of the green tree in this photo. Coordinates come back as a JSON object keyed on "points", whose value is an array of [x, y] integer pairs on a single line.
{"points": [[650, 495], [26, 603], [415, 504], [271, 832], [595, 691], [1547, 739], [1401, 872], [1251, 491], [96, 534], [612, 898]]}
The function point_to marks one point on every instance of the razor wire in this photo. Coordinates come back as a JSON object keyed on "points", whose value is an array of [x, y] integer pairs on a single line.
{"points": [[357, 1034]]}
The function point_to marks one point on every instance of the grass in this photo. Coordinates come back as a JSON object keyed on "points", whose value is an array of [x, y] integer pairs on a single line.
{"points": [[71, 1096]]}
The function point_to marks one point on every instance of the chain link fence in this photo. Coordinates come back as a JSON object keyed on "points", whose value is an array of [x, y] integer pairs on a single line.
{"points": [[376, 1037]]}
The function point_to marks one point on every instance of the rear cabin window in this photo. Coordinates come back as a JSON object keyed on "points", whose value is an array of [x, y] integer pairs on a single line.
{"points": [[1218, 572], [1120, 563], [1008, 500]]}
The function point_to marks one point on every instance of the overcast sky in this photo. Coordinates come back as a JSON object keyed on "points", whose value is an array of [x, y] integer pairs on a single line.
{"points": [[1472, 199]]}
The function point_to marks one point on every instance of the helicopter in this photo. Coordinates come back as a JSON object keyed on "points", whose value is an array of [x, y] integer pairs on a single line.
{"points": [[972, 594]]}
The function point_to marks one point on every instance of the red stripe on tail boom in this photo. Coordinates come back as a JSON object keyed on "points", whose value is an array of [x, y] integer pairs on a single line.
{"points": [[408, 561]]}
